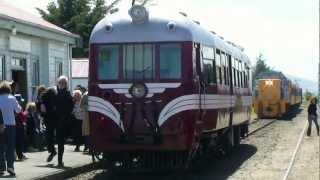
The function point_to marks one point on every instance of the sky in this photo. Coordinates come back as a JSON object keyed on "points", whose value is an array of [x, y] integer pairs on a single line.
{"points": [[286, 32]]}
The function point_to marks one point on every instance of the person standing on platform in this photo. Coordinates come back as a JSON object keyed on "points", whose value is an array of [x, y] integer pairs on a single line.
{"points": [[48, 110], [78, 114], [8, 106], [312, 116], [64, 108], [86, 123]]}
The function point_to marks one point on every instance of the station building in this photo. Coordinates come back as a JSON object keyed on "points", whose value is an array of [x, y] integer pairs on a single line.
{"points": [[32, 50]]}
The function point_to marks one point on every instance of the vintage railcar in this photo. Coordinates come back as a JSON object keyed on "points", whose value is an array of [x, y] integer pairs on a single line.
{"points": [[162, 88], [276, 95]]}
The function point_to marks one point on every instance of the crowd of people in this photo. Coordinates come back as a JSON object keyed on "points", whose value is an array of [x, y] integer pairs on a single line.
{"points": [[39, 125]]}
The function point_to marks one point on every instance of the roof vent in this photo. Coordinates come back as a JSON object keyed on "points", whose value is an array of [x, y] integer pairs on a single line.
{"points": [[171, 26], [221, 37], [139, 14], [213, 32], [183, 14], [197, 22], [109, 27]]}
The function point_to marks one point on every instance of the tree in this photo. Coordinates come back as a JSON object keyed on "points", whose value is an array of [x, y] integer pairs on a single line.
{"points": [[307, 95], [143, 2], [77, 16], [259, 67]]}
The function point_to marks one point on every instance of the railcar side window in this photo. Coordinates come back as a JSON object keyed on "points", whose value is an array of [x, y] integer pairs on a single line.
{"points": [[208, 71], [139, 61], [170, 61], [223, 65], [108, 62], [218, 67]]}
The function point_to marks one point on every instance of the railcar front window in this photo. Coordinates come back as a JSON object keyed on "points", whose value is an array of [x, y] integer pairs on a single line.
{"points": [[139, 61], [108, 63], [170, 61]]}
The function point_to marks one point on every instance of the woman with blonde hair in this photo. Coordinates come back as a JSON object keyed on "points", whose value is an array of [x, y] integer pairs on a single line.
{"points": [[78, 114], [312, 115], [85, 122]]}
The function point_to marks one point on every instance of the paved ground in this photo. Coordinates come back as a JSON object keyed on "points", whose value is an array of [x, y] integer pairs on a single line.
{"points": [[264, 155], [307, 163], [36, 167]]}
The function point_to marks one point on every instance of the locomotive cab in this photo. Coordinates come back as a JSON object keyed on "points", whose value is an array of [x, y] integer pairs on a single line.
{"points": [[159, 83]]}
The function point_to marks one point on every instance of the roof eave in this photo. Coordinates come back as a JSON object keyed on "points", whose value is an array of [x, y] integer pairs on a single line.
{"points": [[39, 26]]}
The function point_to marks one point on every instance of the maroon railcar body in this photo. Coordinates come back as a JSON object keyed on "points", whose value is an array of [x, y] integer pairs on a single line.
{"points": [[206, 96]]}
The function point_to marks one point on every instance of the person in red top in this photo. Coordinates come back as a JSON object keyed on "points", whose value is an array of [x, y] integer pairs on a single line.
{"points": [[21, 120]]}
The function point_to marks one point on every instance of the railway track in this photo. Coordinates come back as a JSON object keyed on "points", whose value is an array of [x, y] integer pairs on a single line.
{"points": [[265, 123]]}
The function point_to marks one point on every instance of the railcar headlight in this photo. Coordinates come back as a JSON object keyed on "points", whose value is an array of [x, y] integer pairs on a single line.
{"points": [[138, 90], [269, 83], [139, 14]]}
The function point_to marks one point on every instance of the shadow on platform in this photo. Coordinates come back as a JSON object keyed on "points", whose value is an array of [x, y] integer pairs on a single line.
{"points": [[291, 114], [211, 167], [54, 166]]}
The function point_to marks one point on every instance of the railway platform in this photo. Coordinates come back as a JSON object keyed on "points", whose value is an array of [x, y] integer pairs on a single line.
{"points": [[36, 167]]}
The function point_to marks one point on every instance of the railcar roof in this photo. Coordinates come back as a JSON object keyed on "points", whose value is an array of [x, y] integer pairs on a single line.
{"points": [[155, 30]]}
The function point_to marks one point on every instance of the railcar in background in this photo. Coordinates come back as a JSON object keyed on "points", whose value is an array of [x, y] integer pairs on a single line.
{"points": [[276, 95], [162, 89]]}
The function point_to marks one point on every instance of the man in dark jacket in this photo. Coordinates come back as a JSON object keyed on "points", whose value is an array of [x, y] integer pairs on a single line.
{"points": [[48, 111], [64, 107]]}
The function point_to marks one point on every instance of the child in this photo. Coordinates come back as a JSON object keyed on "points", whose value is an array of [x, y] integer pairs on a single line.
{"points": [[21, 119], [32, 124]]}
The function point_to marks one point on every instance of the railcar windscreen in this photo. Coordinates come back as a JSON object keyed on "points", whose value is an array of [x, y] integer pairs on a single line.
{"points": [[139, 61], [108, 62], [170, 61]]}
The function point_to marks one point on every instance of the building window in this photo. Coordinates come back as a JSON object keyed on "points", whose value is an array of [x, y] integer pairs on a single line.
{"points": [[2, 67], [58, 67], [35, 72], [18, 63], [35, 78]]}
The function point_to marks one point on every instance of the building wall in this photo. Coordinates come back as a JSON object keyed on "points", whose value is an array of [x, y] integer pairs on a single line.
{"points": [[58, 53], [46, 52]]}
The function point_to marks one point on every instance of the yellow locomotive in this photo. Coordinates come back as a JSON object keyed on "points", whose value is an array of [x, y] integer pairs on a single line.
{"points": [[275, 95]]}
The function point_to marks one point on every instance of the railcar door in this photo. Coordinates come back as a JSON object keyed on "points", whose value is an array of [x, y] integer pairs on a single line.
{"points": [[208, 86], [199, 83]]}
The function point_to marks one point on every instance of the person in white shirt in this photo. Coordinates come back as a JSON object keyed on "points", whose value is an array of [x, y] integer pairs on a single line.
{"points": [[79, 116], [8, 106]]}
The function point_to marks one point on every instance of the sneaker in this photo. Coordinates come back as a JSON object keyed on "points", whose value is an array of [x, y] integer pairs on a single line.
{"points": [[51, 156], [11, 172]]}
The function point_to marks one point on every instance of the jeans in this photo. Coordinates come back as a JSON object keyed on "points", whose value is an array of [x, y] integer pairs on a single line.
{"points": [[7, 148], [315, 120]]}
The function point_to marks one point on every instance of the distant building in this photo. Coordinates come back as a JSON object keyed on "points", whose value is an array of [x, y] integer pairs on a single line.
{"points": [[80, 68], [32, 50]]}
